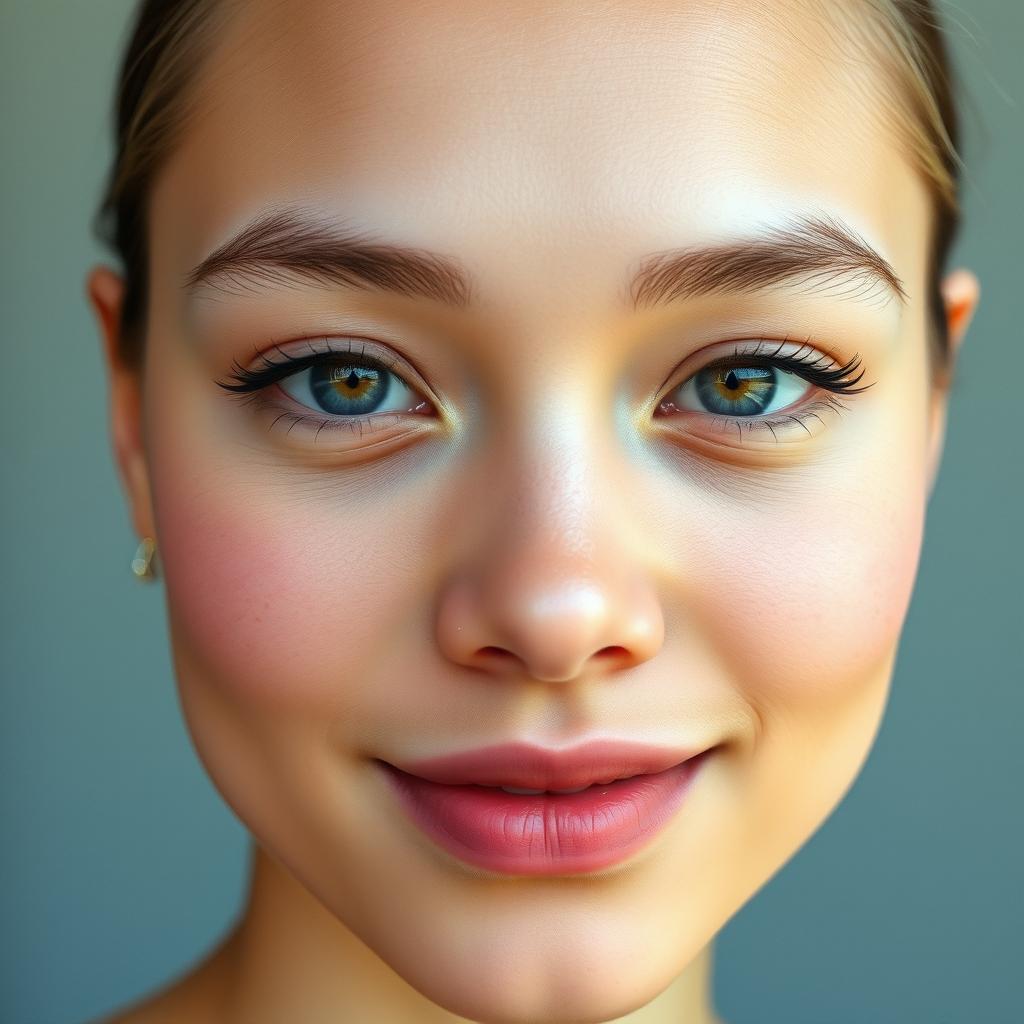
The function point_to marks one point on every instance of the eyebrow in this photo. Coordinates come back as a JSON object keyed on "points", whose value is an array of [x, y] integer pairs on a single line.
{"points": [[288, 242], [820, 251]]}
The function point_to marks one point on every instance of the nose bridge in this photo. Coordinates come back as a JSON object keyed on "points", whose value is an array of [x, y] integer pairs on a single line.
{"points": [[554, 508], [552, 577], [551, 480]]}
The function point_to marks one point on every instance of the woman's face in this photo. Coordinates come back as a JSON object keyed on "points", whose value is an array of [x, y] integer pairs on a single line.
{"points": [[532, 509]]}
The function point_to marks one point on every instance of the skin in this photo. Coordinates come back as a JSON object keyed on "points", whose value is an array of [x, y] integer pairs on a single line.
{"points": [[333, 601]]}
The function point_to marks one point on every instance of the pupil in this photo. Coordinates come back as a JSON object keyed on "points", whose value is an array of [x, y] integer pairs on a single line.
{"points": [[731, 380]]}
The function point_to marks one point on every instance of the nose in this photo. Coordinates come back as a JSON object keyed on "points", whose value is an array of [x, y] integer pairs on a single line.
{"points": [[553, 589]]}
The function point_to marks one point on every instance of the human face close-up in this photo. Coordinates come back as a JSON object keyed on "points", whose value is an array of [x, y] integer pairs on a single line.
{"points": [[583, 472]]}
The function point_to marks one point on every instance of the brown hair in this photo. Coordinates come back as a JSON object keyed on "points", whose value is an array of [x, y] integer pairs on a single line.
{"points": [[170, 38], [168, 42]]}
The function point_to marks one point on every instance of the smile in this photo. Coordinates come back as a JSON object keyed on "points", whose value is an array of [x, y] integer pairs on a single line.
{"points": [[506, 827]]}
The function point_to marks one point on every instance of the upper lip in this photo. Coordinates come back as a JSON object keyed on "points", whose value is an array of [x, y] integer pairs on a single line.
{"points": [[526, 766]]}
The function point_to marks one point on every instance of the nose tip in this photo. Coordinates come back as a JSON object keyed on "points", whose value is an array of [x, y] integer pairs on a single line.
{"points": [[551, 634]]}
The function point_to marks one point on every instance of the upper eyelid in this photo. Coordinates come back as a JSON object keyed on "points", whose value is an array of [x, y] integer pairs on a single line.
{"points": [[776, 353], [768, 351], [293, 363], [758, 351], [353, 346]]}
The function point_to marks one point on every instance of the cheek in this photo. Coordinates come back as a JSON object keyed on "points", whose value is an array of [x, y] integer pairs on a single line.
{"points": [[804, 598], [277, 599]]}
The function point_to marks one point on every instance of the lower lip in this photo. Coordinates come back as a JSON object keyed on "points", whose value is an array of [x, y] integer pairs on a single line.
{"points": [[549, 833]]}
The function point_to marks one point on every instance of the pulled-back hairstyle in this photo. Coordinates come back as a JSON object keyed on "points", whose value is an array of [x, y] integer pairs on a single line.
{"points": [[170, 40]]}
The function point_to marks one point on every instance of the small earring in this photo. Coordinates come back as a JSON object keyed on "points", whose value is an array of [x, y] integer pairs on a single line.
{"points": [[143, 563]]}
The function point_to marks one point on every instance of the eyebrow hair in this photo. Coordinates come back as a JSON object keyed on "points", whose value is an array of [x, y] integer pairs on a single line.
{"points": [[292, 242], [820, 250]]}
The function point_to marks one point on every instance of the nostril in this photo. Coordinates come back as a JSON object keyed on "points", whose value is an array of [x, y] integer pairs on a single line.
{"points": [[495, 652], [614, 654]]}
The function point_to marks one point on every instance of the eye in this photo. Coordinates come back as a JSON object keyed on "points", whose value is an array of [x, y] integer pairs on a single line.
{"points": [[350, 386], [338, 382], [761, 386], [736, 390]]}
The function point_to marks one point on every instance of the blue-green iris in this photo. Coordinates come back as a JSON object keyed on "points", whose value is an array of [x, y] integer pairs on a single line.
{"points": [[347, 389], [736, 390]]}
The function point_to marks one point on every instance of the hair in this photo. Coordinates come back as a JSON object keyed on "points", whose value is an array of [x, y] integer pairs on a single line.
{"points": [[170, 39]]}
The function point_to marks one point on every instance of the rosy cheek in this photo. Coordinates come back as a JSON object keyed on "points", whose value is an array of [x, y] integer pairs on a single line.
{"points": [[280, 605]]}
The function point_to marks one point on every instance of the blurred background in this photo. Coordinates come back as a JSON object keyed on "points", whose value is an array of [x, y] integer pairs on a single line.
{"points": [[120, 865]]}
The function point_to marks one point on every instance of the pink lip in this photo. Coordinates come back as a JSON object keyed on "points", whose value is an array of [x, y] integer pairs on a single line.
{"points": [[451, 799], [531, 767]]}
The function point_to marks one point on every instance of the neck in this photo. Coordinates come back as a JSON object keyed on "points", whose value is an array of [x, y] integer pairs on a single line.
{"points": [[291, 959]]}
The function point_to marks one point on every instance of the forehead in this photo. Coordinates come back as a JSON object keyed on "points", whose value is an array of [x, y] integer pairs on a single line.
{"points": [[543, 125]]}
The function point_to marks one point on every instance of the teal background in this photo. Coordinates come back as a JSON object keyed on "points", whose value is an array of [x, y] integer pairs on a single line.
{"points": [[120, 863]]}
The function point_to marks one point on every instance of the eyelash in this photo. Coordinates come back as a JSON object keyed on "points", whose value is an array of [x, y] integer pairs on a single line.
{"points": [[270, 371], [811, 366], [830, 377], [252, 381]]}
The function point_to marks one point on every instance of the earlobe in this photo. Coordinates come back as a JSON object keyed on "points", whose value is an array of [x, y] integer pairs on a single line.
{"points": [[105, 291], [961, 292]]}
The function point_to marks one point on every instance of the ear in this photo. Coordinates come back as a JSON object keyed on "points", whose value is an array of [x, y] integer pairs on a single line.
{"points": [[960, 295], [105, 290]]}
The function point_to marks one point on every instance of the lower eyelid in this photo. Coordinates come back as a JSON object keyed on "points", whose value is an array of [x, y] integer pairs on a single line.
{"points": [[294, 419], [802, 423], [787, 428]]}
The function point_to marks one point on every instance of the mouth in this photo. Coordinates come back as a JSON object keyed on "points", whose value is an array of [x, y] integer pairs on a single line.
{"points": [[525, 791], [521, 766], [521, 810]]}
